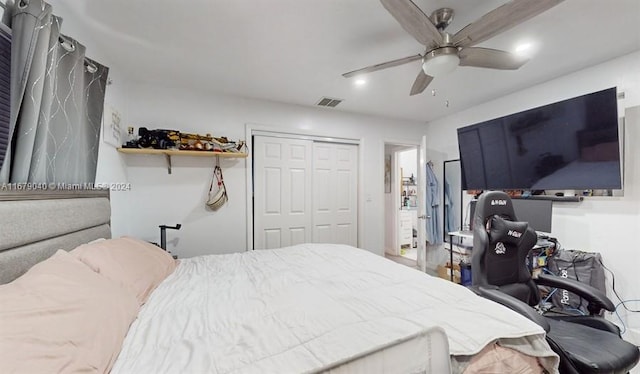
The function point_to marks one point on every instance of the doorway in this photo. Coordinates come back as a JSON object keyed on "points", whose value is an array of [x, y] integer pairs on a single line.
{"points": [[402, 203]]}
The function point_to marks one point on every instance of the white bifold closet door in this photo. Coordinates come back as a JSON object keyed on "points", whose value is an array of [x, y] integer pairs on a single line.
{"points": [[335, 181], [304, 191], [282, 191]]}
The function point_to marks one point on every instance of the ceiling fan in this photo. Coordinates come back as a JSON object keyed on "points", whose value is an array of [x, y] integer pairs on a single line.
{"points": [[444, 52]]}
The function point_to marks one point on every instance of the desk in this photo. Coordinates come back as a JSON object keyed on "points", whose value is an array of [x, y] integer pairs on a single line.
{"points": [[463, 236], [465, 239]]}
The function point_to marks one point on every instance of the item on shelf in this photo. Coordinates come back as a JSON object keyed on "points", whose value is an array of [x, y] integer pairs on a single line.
{"points": [[409, 192], [132, 140], [157, 139], [195, 142], [173, 139], [225, 144], [131, 144], [241, 147]]}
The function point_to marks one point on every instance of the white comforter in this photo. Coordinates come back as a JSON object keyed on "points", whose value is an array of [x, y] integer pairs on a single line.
{"points": [[301, 308]]}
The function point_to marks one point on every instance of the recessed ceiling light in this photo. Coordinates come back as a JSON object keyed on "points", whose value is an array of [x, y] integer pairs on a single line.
{"points": [[522, 47], [360, 82], [526, 49]]}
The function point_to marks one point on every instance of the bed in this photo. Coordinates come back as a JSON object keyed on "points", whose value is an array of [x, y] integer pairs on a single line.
{"points": [[308, 308]]}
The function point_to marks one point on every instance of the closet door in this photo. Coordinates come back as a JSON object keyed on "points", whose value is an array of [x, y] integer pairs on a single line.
{"points": [[335, 184], [282, 191]]}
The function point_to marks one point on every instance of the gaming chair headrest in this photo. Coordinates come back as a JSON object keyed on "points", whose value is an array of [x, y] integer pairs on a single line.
{"points": [[492, 203], [508, 232]]}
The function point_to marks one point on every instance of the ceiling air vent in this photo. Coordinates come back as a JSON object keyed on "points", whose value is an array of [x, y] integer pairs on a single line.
{"points": [[329, 102]]}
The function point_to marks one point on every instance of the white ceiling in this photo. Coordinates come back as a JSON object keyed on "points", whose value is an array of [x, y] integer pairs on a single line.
{"points": [[294, 51]]}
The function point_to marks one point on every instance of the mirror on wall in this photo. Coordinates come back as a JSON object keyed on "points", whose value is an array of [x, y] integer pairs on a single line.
{"points": [[452, 195]]}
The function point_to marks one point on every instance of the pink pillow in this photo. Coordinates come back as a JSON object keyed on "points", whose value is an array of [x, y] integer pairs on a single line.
{"points": [[61, 316], [133, 263]]}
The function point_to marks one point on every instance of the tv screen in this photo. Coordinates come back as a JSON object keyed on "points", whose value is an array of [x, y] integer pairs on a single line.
{"points": [[571, 144]]}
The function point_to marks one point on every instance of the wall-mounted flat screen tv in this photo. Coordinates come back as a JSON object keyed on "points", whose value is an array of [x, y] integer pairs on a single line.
{"points": [[571, 144]]}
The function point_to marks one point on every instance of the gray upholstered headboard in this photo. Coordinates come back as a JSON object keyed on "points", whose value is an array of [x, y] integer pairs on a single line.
{"points": [[34, 226]]}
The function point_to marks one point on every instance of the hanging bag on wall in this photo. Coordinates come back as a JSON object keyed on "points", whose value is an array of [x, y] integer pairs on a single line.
{"points": [[585, 267], [217, 190]]}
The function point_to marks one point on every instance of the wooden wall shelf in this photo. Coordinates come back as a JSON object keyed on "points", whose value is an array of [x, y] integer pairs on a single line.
{"points": [[174, 152]]}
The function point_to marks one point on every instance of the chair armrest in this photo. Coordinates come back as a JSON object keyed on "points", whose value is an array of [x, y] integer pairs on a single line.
{"points": [[593, 322], [595, 297], [512, 303]]}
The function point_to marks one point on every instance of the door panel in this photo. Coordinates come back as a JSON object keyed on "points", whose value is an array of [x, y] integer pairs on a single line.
{"points": [[272, 177], [298, 235], [322, 186], [322, 234], [344, 233], [422, 204], [342, 194], [271, 238], [282, 196], [299, 151], [304, 191], [299, 194], [335, 191]]}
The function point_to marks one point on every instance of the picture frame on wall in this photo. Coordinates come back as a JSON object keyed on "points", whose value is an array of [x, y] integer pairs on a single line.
{"points": [[112, 126], [387, 173]]}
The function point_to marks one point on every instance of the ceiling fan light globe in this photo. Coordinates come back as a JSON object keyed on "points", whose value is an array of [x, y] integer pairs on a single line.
{"points": [[440, 65]]}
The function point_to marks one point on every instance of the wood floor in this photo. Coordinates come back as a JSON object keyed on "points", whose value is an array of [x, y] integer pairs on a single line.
{"points": [[408, 262], [402, 260]]}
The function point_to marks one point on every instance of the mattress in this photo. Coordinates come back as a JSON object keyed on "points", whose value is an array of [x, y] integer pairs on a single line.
{"points": [[316, 308]]}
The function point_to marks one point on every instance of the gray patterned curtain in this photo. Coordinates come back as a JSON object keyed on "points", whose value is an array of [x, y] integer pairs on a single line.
{"points": [[57, 101]]}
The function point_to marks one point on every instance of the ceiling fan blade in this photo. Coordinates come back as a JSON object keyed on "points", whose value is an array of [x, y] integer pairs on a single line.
{"points": [[414, 21], [501, 19], [383, 65], [490, 58], [421, 82]]}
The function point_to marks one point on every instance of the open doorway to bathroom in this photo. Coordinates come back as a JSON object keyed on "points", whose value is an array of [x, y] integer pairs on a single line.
{"points": [[401, 203]]}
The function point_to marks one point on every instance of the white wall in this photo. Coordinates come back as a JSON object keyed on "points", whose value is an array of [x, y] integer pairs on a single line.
{"points": [[608, 225], [408, 161], [159, 198]]}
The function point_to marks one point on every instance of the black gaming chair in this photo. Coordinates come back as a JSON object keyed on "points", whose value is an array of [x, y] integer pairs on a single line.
{"points": [[585, 344]]}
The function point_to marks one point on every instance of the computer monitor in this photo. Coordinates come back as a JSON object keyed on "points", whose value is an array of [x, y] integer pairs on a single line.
{"points": [[537, 212]]}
